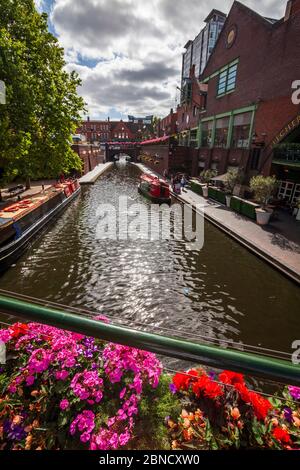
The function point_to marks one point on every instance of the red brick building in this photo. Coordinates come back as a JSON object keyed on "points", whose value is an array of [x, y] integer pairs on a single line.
{"points": [[95, 131], [109, 131], [168, 125], [248, 109], [90, 154]]}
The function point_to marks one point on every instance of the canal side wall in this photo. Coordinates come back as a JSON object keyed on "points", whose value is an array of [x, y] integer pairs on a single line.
{"points": [[92, 176]]}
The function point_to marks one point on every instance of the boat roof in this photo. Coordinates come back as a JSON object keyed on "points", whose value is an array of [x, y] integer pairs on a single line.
{"points": [[153, 179]]}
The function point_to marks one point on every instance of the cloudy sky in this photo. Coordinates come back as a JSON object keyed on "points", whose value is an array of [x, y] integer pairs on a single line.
{"points": [[128, 52]]}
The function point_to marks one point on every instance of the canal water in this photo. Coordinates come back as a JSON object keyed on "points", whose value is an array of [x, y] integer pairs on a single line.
{"points": [[222, 292]]}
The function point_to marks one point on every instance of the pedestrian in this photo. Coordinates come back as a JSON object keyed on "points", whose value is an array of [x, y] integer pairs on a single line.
{"points": [[183, 182], [177, 185], [172, 182]]}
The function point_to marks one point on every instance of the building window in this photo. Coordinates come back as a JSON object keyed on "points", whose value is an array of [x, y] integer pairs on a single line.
{"points": [[227, 80], [195, 110], [193, 138], [241, 130], [206, 136], [221, 134], [254, 158]]}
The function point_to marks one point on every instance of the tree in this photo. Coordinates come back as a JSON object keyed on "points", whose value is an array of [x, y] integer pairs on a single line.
{"points": [[42, 107]]}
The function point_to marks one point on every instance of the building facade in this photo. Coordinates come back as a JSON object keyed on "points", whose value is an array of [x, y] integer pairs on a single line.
{"points": [[244, 111], [95, 131], [91, 155], [109, 131], [168, 125], [198, 51], [247, 118]]}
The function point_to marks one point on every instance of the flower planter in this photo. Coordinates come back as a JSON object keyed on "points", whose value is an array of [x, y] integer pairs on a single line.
{"points": [[205, 191], [228, 199], [262, 216]]}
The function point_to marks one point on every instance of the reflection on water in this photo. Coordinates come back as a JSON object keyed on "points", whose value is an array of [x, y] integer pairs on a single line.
{"points": [[223, 291]]}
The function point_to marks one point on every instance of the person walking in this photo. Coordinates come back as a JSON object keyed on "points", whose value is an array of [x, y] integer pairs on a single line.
{"points": [[183, 182]]}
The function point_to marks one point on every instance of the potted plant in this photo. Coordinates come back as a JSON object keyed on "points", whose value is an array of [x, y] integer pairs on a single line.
{"points": [[233, 177], [206, 177], [263, 188]]}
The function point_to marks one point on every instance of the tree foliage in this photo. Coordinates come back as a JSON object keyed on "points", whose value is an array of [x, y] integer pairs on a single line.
{"points": [[264, 188], [42, 107]]}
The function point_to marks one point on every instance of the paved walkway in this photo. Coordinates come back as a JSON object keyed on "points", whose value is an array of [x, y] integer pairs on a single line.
{"points": [[277, 243], [92, 176]]}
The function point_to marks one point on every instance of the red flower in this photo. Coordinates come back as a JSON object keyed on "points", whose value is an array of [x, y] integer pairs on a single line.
{"points": [[182, 381], [281, 435], [232, 378], [200, 385], [194, 372], [206, 386], [213, 390], [18, 329], [243, 391], [260, 405]]}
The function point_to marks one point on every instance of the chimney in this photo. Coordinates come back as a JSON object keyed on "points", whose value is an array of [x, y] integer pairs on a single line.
{"points": [[292, 8]]}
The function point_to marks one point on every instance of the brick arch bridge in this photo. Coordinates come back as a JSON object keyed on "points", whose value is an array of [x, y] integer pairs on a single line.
{"points": [[113, 149]]}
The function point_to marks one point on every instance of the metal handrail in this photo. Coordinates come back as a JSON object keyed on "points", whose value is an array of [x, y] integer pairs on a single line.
{"points": [[214, 356]]}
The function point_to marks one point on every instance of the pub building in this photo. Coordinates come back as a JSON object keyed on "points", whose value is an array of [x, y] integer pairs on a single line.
{"points": [[247, 118]]}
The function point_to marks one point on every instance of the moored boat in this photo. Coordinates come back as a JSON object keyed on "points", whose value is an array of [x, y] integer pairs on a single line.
{"points": [[21, 221], [155, 189]]}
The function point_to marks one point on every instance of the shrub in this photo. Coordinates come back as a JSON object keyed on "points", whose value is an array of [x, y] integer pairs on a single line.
{"points": [[233, 177], [264, 188], [207, 175]]}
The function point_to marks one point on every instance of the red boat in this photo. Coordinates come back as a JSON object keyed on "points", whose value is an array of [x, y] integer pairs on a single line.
{"points": [[155, 189]]}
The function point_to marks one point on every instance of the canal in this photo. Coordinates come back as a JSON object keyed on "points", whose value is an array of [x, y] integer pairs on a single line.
{"points": [[222, 292]]}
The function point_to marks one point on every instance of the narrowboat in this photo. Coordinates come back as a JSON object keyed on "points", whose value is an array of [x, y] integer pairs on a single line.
{"points": [[155, 189], [21, 221]]}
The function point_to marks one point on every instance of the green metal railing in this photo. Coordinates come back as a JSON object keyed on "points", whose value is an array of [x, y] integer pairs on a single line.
{"points": [[248, 363]]}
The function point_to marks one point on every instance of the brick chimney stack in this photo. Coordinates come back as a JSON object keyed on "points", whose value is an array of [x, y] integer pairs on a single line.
{"points": [[292, 8]]}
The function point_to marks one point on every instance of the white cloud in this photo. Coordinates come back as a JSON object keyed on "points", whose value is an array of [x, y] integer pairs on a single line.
{"points": [[136, 46]]}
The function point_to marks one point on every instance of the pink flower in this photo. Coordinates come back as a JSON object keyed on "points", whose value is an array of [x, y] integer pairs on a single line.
{"points": [[124, 438], [5, 336], [39, 361], [85, 421], [61, 375], [87, 386], [85, 437], [64, 404], [30, 380]]}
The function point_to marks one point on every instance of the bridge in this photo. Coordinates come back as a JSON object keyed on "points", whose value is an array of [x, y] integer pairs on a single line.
{"points": [[115, 149]]}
